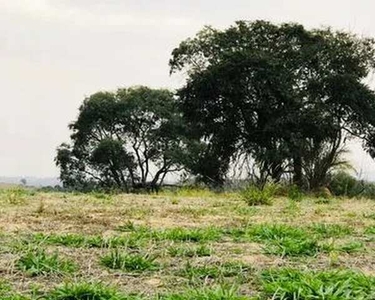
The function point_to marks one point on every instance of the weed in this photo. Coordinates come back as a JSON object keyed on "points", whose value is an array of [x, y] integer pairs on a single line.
{"points": [[78, 240], [189, 251], [218, 293], [284, 240], [331, 230], [180, 234], [323, 200], [370, 230], [285, 284], [14, 196], [85, 291], [253, 195], [132, 262], [295, 193], [215, 271], [38, 262], [129, 226]]}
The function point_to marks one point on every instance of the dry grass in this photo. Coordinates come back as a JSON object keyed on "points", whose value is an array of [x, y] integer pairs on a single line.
{"points": [[93, 215]]}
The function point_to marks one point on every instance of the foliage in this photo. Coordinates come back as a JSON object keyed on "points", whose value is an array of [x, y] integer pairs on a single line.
{"points": [[295, 193], [286, 96], [123, 140], [254, 195], [344, 184]]}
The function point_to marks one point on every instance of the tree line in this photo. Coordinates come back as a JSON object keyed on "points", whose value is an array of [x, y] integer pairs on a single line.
{"points": [[278, 101]]}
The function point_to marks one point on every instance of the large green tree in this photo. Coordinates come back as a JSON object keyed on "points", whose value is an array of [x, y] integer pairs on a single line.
{"points": [[284, 95], [128, 139]]}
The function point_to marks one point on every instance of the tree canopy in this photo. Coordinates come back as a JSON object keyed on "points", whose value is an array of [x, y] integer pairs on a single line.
{"points": [[284, 95], [127, 139]]}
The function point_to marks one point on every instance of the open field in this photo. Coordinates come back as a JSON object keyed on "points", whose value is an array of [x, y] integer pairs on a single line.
{"points": [[184, 246]]}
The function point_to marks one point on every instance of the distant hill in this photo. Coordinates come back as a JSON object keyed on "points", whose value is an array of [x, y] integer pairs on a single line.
{"points": [[31, 181]]}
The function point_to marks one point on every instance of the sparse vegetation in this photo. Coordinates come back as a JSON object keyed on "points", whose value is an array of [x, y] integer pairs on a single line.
{"points": [[289, 284], [106, 251], [132, 262], [38, 262], [254, 195]]}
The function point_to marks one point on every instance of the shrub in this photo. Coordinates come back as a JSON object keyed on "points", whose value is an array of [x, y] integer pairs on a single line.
{"points": [[295, 193], [253, 195], [344, 184]]}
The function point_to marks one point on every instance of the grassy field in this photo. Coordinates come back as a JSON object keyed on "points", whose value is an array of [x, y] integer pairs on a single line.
{"points": [[184, 245]]}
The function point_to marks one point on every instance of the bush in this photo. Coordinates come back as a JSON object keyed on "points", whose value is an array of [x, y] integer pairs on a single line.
{"points": [[253, 195], [343, 184], [295, 193]]}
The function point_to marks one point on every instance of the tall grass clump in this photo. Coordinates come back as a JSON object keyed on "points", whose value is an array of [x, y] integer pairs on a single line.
{"points": [[215, 293], [290, 284], [189, 251], [294, 193], [15, 196], [180, 234], [284, 240], [132, 262], [86, 291], [254, 195], [95, 241], [331, 230], [38, 262]]}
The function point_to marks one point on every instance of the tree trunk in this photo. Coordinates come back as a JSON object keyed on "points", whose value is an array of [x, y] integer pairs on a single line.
{"points": [[297, 171]]}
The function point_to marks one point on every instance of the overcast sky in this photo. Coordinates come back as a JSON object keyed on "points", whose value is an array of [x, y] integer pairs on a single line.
{"points": [[53, 53]]}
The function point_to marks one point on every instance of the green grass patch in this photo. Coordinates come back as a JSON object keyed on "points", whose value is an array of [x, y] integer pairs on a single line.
{"points": [[86, 291], [38, 262], [132, 262], [197, 273], [289, 284], [253, 195], [370, 230], [189, 251], [331, 230], [180, 234], [349, 247], [283, 240], [78, 240], [216, 293], [6, 293]]}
